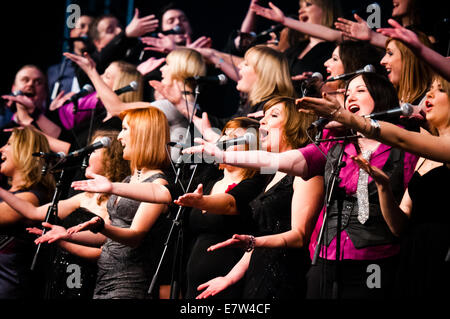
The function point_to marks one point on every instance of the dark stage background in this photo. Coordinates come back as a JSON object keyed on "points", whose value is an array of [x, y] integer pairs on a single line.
{"points": [[33, 31]]}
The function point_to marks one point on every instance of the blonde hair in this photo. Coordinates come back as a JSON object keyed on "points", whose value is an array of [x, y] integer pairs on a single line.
{"points": [[127, 73], [149, 135], [416, 75], [185, 63], [25, 142], [272, 69]]}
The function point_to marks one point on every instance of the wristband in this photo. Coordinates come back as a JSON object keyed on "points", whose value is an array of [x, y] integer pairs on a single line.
{"points": [[251, 244]]}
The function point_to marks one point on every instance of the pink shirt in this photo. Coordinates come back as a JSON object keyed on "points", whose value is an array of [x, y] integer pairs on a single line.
{"points": [[85, 105], [349, 181]]}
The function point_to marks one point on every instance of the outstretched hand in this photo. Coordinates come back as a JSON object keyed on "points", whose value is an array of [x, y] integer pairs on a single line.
{"points": [[213, 287], [355, 30], [193, 199], [325, 106], [398, 32], [140, 26], [273, 13], [207, 148], [379, 177], [237, 241], [163, 43], [170, 91], [54, 234], [91, 224], [59, 100], [149, 65], [85, 62], [98, 184]]}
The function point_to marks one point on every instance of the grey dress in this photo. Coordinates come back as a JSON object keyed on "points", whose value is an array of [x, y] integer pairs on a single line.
{"points": [[125, 272]]}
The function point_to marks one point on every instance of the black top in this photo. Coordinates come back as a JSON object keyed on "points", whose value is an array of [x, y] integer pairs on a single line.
{"points": [[275, 273], [16, 252], [424, 269], [313, 61], [206, 229]]}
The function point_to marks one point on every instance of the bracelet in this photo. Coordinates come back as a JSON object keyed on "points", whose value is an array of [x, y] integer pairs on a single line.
{"points": [[334, 112], [251, 244], [98, 226]]}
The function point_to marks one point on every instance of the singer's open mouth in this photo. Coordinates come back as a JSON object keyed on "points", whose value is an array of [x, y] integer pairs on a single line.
{"points": [[263, 133], [304, 18], [353, 108]]}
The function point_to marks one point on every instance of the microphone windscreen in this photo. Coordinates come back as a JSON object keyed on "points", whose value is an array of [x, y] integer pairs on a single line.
{"points": [[88, 88], [106, 141]]}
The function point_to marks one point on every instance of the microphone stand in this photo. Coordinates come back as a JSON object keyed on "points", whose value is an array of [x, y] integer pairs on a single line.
{"points": [[52, 211], [177, 221], [328, 194]]}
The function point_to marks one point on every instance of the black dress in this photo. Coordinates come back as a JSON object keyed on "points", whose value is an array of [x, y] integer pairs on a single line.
{"points": [[71, 277], [275, 273], [209, 229], [17, 250], [424, 269]]}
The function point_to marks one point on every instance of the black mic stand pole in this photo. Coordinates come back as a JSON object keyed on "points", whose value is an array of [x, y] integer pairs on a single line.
{"points": [[329, 192], [52, 213], [177, 222]]}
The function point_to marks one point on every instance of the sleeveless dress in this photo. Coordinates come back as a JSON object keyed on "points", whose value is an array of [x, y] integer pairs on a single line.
{"points": [[208, 229], [424, 269], [17, 250], [275, 273], [125, 272]]}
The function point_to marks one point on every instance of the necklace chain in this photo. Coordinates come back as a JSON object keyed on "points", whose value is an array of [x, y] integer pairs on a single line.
{"points": [[139, 174]]}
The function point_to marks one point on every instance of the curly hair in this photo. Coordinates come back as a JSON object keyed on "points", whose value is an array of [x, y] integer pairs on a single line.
{"points": [[115, 168]]}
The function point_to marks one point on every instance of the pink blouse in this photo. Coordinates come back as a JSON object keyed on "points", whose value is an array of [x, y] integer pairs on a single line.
{"points": [[349, 181], [85, 106]]}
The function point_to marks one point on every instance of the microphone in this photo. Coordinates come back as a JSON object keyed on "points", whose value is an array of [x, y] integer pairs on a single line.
{"points": [[405, 109], [264, 36], [312, 85], [319, 124], [87, 89], [17, 93], [369, 68], [51, 155], [315, 77], [133, 86], [248, 138], [219, 79], [104, 142], [176, 30]]}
